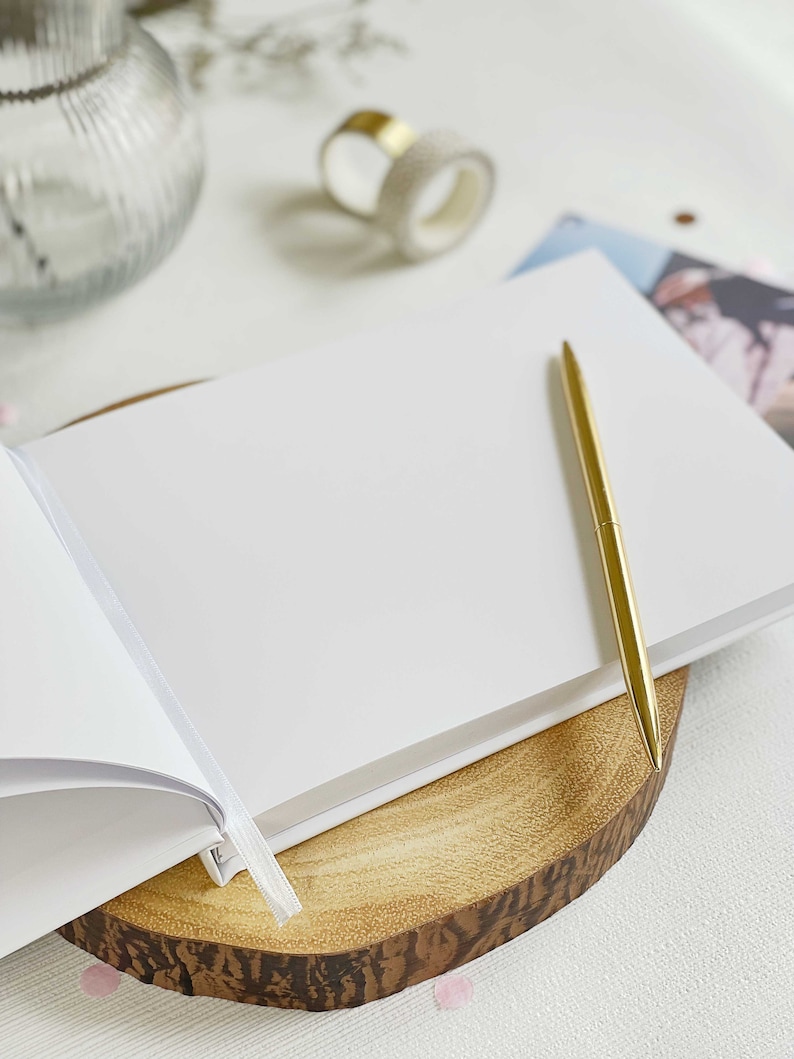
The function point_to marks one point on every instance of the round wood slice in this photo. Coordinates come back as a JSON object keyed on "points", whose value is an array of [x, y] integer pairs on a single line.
{"points": [[410, 890]]}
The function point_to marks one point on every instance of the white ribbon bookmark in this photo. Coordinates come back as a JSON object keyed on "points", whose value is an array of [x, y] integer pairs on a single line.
{"points": [[241, 830]]}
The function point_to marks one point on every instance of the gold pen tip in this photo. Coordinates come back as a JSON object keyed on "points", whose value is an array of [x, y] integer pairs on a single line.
{"points": [[570, 365]]}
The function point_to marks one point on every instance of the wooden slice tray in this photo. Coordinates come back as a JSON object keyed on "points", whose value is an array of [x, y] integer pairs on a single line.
{"points": [[410, 890]]}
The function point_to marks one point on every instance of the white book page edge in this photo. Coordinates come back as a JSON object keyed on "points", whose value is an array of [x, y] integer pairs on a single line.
{"points": [[69, 692]]}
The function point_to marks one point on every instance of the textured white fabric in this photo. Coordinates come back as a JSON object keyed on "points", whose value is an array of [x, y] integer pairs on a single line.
{"points": [[629, 111]]}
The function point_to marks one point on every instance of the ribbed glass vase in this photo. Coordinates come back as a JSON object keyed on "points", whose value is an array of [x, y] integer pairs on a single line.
{"points": [[101, 156]]}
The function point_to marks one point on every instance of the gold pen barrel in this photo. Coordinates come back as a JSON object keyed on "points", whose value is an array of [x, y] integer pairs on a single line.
{"points": [[588, 444], [614, 564], [631, 642]]}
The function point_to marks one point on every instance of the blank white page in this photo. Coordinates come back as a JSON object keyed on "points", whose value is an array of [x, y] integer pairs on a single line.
{"points": [[67, 851], [68, 689], [351, 551]]}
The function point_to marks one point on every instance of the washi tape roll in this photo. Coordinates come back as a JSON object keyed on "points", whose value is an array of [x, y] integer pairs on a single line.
{"points": [[427, 191]]}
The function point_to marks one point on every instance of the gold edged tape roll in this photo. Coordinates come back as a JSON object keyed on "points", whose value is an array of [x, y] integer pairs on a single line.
{"points": [[396, 202]]}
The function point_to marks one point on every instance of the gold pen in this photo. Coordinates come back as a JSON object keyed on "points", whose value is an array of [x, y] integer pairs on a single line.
{"points": [[614, 563]]}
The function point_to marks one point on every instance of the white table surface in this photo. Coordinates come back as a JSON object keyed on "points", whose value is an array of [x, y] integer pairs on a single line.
{"points": [[628, 111]]}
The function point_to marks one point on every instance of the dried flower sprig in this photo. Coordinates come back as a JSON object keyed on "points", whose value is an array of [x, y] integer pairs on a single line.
{"points": [[341, 31]]}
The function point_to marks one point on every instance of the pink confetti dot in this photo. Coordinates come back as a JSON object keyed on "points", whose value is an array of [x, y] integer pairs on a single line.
{"points": [[453, 991], [9, 414], [99, 980], [761, 268]]}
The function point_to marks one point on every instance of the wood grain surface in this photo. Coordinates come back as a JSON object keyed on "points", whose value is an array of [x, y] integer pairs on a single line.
{"points": [[410, 890]]}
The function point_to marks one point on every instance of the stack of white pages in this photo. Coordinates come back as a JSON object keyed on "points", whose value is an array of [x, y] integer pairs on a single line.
{"points": [[358, 569]]}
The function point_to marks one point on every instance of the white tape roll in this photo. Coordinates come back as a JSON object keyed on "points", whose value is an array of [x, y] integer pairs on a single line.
{"points": [[409, 172]]}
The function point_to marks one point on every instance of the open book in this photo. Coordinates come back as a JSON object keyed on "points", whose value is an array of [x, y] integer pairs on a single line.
{"points": [[357, 569]]}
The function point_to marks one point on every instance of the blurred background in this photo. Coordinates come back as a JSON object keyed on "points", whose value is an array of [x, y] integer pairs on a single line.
{"points": [[633, 112]]}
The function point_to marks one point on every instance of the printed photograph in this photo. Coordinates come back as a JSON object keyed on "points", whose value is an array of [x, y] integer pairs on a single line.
{"points": [[742, 327]]}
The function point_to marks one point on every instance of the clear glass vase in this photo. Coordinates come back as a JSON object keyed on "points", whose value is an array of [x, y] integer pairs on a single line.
{"points": [[101, 155]]}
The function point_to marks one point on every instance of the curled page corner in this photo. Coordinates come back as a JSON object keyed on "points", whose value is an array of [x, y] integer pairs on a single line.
{"points": [[222, 862], [252, 851]]}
